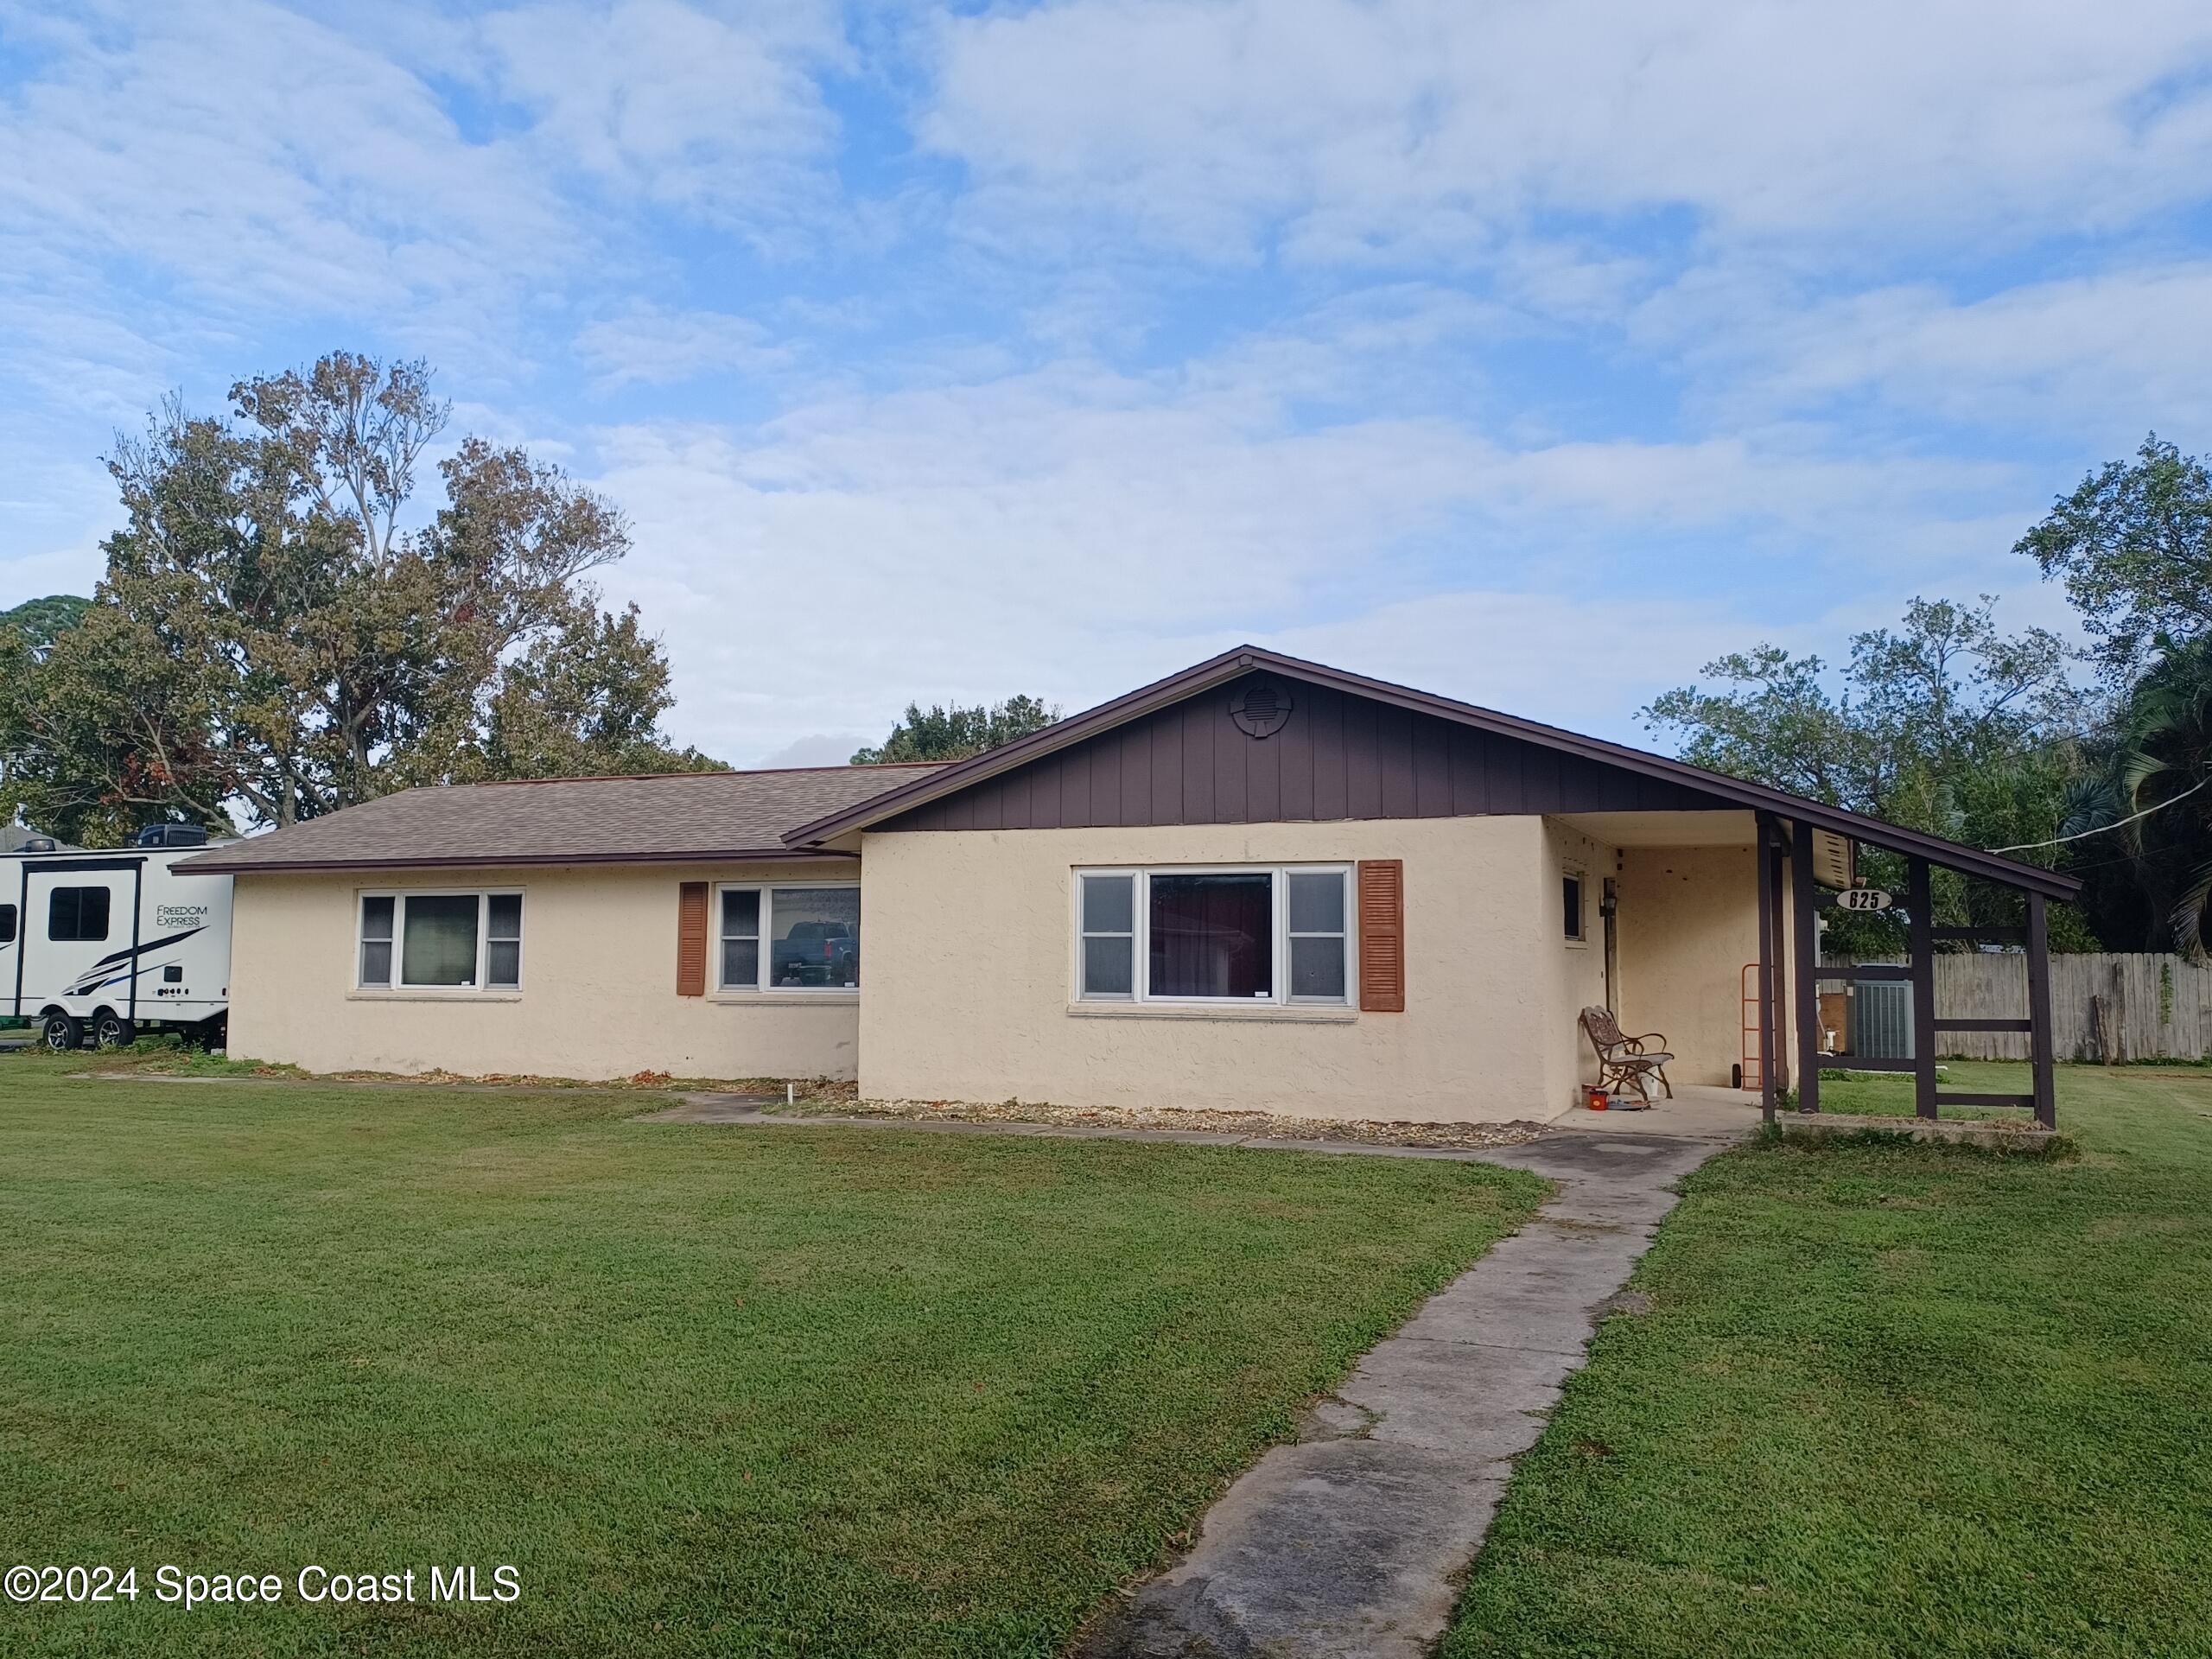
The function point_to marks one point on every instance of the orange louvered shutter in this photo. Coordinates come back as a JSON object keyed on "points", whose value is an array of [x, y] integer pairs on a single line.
{"points": [[691, 939], [1383, 934]]}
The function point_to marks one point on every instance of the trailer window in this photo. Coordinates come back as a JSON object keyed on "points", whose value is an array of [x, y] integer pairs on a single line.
{"points": [[77, 914], [7, 924]]}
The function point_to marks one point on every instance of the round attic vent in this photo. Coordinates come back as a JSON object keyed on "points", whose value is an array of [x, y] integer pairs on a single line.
{"points": [[1260, 709]]}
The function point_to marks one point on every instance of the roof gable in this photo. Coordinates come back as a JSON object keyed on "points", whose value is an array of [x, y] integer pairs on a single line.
{"points": [[1565, 768], [1333, 754]]}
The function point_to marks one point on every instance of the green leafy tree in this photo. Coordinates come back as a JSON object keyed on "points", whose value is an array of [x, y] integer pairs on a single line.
{"points": [[584, 699], [27, 636], [941, 733], [2133, 545], [41, 621], [1943, 724], [272, 641], [2153, 791]]}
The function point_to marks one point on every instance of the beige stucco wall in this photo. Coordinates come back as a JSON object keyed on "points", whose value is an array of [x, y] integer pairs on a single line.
{"points": [[1688, 924], [966, 938], [598, 997]]}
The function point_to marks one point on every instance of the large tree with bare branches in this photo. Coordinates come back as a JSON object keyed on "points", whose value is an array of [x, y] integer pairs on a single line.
{"points": [[277, 637]]}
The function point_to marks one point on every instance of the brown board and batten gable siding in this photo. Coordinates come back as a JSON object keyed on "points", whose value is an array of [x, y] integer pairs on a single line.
{"points": [[1339, 756]]}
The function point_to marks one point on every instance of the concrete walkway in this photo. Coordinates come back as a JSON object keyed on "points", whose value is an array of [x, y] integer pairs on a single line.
{"points": [[1349, 1544]]}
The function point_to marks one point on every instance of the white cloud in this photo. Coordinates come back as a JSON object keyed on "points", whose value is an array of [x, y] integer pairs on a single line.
{"points": [[1346, 130], [668, 102], [2120, 350], [1071, 532], [645, 345], [1574, 341], [1563, 658], [262, 161], [61, 568]]}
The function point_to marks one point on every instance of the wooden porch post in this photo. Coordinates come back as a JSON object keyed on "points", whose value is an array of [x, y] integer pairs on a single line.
{"points": [[1782, 962], [1809, 979], [1920, 895], [1763, 872], [2039, 1032]]}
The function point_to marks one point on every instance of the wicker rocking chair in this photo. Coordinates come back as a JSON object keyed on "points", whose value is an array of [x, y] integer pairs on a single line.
{"points": [[1625, 1063]]}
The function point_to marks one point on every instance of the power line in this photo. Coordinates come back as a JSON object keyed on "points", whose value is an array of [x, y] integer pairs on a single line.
{"points": [[2030, 846]]}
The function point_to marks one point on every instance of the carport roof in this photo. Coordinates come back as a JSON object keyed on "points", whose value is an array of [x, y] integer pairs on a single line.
{"points": [[936, 783]]}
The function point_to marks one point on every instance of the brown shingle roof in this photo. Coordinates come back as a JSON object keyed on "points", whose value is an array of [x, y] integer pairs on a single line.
{"points": [[676, 818]]}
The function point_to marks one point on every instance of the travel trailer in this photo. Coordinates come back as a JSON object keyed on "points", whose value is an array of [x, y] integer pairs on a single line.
{"points": [[97, 946]]}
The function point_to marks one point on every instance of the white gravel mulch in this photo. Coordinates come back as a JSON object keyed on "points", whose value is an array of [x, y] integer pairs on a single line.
{"points": [[1258, 1125]]}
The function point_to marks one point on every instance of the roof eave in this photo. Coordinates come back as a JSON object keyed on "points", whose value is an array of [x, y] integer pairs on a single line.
{"points": [[492, 861]]}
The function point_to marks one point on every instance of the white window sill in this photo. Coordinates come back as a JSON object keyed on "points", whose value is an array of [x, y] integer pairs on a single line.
{"points": [[425, 995], [1229, 1013], [783, 999]]}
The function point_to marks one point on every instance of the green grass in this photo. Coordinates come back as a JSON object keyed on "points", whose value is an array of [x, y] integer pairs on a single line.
{"points": [[1891, 1094], [1893, 1400], [715, 1391]]}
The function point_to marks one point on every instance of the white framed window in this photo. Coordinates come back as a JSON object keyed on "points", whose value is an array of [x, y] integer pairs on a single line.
{"points": [[1574, 915], [741, 939], [800, 938], [1106, 933], [442, 940], [1241, 934]]}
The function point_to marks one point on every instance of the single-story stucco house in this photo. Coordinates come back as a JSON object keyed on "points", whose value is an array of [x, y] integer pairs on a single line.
{"points": [[1261, 883]]}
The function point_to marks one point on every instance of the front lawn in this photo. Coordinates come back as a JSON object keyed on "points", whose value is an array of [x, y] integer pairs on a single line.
{"points": [[712, 1390], [1893, 1400]]}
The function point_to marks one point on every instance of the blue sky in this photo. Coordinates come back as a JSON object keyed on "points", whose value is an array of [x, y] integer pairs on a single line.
{"points": [[1534, 352]]}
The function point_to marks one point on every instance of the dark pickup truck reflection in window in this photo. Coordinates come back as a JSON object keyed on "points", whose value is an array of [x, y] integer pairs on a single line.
{"points": [[817, 938]]}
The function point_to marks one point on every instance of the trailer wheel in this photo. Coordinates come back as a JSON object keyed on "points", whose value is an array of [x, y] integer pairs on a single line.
{"points": [[112, 1030], [62, 1032]]}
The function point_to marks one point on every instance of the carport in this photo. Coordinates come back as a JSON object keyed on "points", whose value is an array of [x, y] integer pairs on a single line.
{"points": [[1817, 850]]}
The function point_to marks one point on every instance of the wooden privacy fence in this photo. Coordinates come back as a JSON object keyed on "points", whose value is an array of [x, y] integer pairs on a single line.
{"points": [[2106, 1008]]}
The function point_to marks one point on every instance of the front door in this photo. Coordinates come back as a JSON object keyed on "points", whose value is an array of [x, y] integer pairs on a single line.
{"points": [[1611, 910]]}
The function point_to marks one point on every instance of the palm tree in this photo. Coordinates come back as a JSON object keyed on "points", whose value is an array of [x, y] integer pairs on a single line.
{"points": [[2155, 786]]}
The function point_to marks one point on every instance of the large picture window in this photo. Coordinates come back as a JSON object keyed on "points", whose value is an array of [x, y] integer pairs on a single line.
{"points": [[1211, 936], [440, 941], [795, 938], [1249, 935]]}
